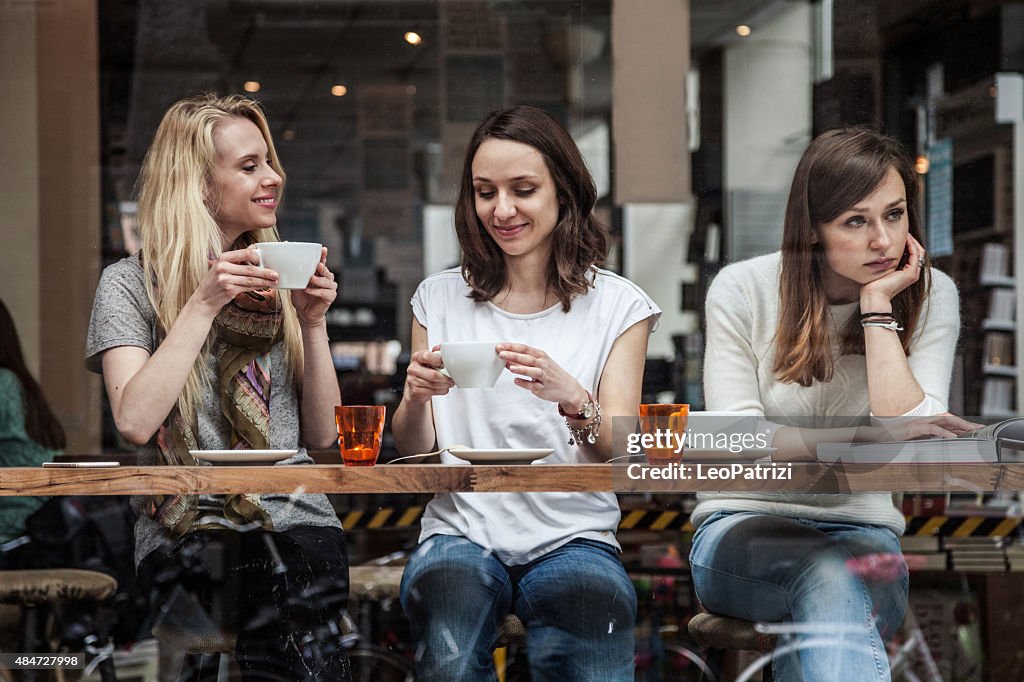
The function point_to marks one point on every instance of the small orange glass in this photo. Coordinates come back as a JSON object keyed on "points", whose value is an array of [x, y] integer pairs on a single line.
{"points": [[360, 428], [663, 429]]}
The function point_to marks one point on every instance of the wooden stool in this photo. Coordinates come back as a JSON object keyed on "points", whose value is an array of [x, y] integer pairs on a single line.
{"points": [[511, 633], [178, 642], [722, 633], [201, 638], [39, 591], [511, 629], [374, 583]]}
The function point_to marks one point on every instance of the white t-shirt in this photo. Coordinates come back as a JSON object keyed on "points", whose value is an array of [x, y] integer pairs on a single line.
{"points": [[742, 314], [519, 527]]}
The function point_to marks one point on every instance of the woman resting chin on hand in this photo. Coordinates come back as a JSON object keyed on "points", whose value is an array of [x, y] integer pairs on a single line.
{"points": [[846, 322]]}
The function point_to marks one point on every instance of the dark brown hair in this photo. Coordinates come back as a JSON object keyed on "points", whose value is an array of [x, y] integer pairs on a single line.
{"points": [[838, 169], [580, 240], [40, 424]]}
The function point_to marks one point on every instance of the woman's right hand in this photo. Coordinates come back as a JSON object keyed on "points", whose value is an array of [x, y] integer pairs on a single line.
{"points": [[943, 425], [423, 380], [230, 274]]}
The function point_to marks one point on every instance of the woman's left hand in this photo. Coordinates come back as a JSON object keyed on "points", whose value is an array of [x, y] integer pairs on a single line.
{"points": [[899, 279], [311, 303], [542, 376]]}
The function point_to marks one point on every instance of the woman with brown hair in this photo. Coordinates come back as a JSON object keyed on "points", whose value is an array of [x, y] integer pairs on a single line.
{"points": [[29, 432], [574, 339], [847, 322]]}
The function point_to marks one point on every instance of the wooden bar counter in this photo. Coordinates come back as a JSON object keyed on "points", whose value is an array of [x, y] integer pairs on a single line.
{"points": [[427, 478]]}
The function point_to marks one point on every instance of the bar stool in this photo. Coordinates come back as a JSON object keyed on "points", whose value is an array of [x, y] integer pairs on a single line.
{"points": [[511, 634], [39, 591], [177, 642], [370, 582], [719, 634], [374, 583], [366, 583]]}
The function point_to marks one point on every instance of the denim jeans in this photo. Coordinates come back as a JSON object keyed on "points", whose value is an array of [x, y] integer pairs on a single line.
{"points": [[577, 603], [771, 568]]}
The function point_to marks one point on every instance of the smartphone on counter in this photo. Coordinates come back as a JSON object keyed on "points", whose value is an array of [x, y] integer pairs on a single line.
{"points": [[75, 465]]}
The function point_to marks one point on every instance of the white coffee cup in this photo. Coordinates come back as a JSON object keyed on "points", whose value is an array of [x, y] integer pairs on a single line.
{"points": [[294, 262], [472, 364]]}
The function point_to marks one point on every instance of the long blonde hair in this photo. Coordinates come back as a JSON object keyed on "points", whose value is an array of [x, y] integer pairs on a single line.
{"points": [[176, 224]]}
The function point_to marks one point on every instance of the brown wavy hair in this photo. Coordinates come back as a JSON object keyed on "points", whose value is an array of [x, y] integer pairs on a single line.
{"points": [[580, 240], [839, 169], [40, 423]]}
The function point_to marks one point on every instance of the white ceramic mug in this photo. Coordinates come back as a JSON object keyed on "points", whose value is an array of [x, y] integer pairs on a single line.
{"points": [[294, 262], [472, 364]]}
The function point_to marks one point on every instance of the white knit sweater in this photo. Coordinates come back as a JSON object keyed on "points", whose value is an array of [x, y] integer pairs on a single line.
{"points": [[742, 313]]}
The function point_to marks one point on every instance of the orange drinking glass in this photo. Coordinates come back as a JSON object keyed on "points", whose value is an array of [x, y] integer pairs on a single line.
{"points": [[360, 428], [663, 428]]}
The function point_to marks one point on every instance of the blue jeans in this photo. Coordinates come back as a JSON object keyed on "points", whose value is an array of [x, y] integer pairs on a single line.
{"points": [[577, 603], [771, 568]]}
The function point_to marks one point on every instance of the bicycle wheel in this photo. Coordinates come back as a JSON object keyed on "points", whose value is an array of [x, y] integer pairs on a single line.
{"points": [[373, 664]]}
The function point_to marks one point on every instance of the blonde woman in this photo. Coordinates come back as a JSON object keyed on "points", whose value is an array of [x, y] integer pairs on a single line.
{"points": [[198, 350]]}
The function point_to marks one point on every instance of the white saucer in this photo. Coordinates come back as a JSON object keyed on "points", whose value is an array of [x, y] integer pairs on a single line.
{"points": [[725, 456], [241, 456], [501, 455]]}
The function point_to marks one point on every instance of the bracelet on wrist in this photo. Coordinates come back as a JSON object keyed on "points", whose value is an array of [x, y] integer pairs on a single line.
{"points": [[322, 322], [589, 432], [892, 325], [586, 410], [865, 316]]}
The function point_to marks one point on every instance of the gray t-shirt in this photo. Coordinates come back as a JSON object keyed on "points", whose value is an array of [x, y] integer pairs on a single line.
{"points": [[123, 316]]}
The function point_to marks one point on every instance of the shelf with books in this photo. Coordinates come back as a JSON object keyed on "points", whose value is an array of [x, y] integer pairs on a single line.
{"points": [[997, 397], [998, 359], [998, 356], [981, 262], [999, 370], [995, 325]]}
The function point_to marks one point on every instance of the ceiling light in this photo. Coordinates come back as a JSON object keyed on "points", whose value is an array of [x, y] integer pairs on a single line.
{"points": [[921, 164], [413, 38], [288, 134], [410, 90], [251, 86], [743, 30], [339, 90]]}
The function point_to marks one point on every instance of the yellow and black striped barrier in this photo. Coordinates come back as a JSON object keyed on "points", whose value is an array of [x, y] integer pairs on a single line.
{"points": [[384, 518], [397, 518], [962, 526], [653, 519]]}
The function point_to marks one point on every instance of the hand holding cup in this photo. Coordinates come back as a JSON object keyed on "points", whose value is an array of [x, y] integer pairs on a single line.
{"points": [[424, 379], [318, 293], [231, 273]]}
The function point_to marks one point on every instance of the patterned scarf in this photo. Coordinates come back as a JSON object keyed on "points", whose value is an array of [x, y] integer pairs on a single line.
{"points": [[246, 330]]}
